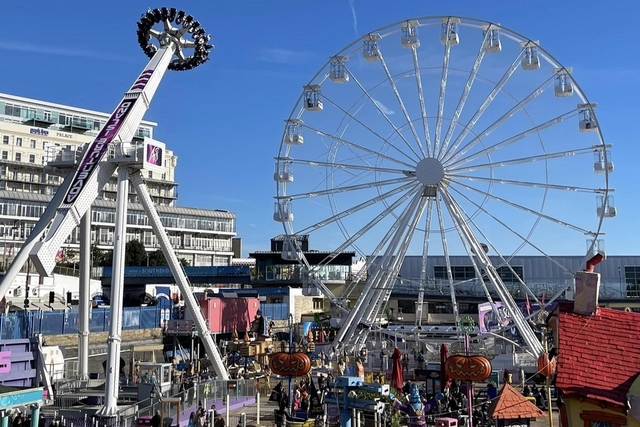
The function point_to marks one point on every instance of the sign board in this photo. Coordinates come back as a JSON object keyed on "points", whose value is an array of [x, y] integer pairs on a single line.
{"points": [[17, 363], [154, 152]]}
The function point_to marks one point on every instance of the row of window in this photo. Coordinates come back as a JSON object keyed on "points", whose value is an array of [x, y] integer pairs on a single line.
{"points": [[104, 236], [106, 215], [467, 272], [21, 113], [18, 157]]}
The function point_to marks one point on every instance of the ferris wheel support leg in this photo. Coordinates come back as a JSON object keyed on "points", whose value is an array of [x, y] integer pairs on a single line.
{"points": [[114, 341], [535, 347], [180, 277]]}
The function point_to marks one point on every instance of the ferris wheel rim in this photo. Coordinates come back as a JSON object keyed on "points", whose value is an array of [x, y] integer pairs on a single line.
{"points": [[288, 225]]}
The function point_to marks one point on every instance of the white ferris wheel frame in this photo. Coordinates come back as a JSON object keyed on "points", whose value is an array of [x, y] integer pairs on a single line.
{"points": [[450, 151]]}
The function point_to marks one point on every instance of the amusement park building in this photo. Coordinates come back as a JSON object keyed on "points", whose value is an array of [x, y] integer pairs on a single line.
{"points": [[546, 277], [33, 132]]}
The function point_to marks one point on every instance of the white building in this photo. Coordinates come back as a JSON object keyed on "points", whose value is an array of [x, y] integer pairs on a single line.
{"points": [[33, 131]]}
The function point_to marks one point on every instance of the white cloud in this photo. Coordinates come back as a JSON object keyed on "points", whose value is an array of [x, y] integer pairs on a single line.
{"points": [[383, 108], [355, 17], [282, 56], [50, 50]]}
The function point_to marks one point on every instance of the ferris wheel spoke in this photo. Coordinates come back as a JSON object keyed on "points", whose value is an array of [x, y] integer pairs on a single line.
{"points": [[353, 118], [525, 209], [544, 185], [400, 102], [390, 272], [485, 104], [344, 166], [425, 244], [441, 97], [367, 227], [530, 159], [346, 189], [469, 219], [391, 240], [356, 208], [463, 97], [423, 109], [365, 149], [453, 155], [491, 273], [515, 138], [376, 105], [511, 230], [458, 222], [447, 258], [371, 261]]}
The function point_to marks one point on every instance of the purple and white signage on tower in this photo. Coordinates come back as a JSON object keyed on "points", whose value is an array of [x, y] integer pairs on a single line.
{"points": [[154, 155], [99, 146]]}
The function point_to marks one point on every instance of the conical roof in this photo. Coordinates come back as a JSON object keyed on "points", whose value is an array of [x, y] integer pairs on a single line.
{"points": [[511, 405]]}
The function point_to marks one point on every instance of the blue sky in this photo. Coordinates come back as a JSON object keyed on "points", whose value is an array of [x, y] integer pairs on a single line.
{"points": [[224, 120]]}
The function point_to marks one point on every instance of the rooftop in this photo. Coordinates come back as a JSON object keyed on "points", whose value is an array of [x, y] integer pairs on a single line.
{"points": [[589, 346], [511, 405]]}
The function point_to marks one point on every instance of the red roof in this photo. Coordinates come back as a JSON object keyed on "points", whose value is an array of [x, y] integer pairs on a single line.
{"points": [[511, 405], [599, 355]]}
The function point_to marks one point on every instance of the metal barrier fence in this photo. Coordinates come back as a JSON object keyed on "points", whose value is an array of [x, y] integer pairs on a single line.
{"points": [[23, 324], [203, 393]]}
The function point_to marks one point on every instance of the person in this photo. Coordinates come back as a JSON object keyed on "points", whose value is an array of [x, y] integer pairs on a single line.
{"points": [[212, 415], [18, 421], [156, 420], [219, 421], [506, 376], [192, 420], [201, 420]]}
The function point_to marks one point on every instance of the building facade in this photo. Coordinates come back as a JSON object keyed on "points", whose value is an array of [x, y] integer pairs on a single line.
{"points": [[33, 133]]}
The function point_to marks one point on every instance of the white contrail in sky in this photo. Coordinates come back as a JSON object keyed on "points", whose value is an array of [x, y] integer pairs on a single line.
{"points": [[355, 17]]}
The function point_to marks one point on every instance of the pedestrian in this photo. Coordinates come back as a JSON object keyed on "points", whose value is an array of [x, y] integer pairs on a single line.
{"points": [[156, 420], [219, 421], [201, 420], [192, 420]]}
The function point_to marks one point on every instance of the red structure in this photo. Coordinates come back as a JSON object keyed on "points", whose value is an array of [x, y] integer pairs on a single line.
{"points": [[598, 363], [223, 315]]}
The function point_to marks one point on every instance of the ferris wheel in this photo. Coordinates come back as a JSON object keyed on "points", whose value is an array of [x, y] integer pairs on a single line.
{"points": [[439, 136]]}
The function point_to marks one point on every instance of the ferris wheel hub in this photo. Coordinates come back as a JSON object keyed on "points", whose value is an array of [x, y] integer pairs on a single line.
{"points": [[430, 171]]}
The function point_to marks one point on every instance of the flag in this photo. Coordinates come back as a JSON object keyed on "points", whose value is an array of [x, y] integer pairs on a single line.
{"points": [[543, 297], [528, 305], [316, 408]]}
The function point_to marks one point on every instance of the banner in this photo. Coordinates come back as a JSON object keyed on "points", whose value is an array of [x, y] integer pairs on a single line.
{"points": [[97, 149]]}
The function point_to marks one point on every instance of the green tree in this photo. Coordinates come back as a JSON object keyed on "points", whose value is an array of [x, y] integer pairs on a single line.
{"points": [[157, 258], [135, 253], [101, 258]]}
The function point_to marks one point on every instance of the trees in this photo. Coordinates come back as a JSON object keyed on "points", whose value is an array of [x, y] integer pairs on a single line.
{"points": [[157, 258], [135, 255]]}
